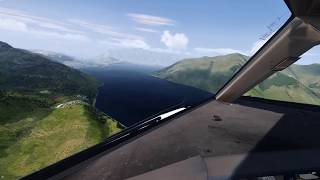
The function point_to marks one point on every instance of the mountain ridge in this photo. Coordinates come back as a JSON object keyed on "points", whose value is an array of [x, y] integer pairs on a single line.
{"points": [[298, 83], [24, 70], [45, 112]]}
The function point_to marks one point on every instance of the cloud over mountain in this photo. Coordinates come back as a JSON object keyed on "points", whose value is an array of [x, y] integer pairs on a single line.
{"points": [[176, 41]]}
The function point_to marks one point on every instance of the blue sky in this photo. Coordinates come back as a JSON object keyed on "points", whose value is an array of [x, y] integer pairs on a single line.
{"points": [[90, 28]]}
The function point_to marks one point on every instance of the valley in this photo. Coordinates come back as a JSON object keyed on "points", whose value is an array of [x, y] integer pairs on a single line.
{"points": [[53, 106], [130, 94], [34, 132]]}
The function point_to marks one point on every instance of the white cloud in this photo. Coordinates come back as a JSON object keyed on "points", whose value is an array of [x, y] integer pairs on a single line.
{"points": [[20, 21], [12, 25], [69, 36], [36, 20], [132, 43], [218, 51], [114, 38], [146, 30], [18, 26], [151, 20], [176, 41], [124, 43], [89, 25], [103, 29]]}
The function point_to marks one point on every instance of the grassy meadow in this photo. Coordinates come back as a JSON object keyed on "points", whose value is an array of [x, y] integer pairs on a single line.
{"points": [[35, 134]]}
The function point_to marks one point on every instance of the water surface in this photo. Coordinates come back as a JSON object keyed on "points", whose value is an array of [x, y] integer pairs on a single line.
{"points": [[130, 94]]}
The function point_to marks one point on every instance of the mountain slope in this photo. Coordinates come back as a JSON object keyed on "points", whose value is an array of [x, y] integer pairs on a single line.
{"points": [[207, 73], [282, 87], [22, 70], [307, 74], [45, 112], [297, 83], [35, 136]]}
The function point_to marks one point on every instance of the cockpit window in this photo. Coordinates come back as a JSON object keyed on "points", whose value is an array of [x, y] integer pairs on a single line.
{"points": [[72, 74], [298, 83], [227, 42]]}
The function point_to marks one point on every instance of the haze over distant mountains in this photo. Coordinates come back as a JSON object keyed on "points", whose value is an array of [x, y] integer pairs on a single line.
{"points": [[98, 61], [113, 56], [298, 83], [146, 57]]}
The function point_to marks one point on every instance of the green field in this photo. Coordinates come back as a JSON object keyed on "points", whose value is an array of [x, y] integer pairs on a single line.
{"points": [[35, 134]]}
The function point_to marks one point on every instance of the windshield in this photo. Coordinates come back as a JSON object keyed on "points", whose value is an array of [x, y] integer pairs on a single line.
{"points": [[298, 83], [73, 74]]}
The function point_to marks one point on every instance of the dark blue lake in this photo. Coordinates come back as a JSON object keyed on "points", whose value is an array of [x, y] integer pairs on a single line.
{"points": [[130, 94]]}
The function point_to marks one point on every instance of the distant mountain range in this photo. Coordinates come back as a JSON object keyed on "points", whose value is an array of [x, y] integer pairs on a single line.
{"points": [[298, 83], [114, 56], [146, 57], [79, 63]]}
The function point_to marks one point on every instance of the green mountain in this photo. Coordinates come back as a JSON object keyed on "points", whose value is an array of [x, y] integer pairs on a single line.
{"points": [[45, 112], [298, 83], [23, 70]]}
